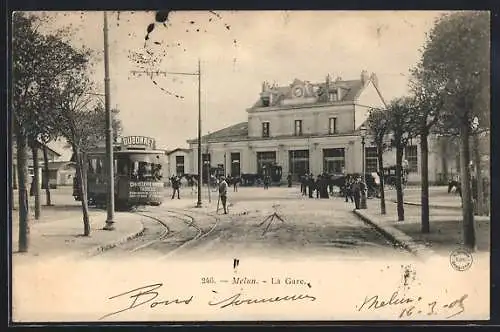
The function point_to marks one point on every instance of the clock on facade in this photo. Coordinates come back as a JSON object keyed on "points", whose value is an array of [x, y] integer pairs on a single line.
{"points": [[298, 91]]}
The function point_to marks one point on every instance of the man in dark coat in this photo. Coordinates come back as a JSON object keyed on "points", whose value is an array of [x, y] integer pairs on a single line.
{"points": [[356, 190], [176, 183], [289, 179], [310, 184]]}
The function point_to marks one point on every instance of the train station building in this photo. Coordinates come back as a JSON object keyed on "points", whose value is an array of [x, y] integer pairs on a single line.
{"points": [[309, 127]]}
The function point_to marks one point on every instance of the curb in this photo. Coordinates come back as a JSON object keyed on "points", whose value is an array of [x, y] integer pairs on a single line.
{"points": [[107, 246], [398, 237], [430, 206]]}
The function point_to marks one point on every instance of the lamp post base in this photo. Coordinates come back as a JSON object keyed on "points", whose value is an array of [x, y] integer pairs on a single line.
{"points": [[109, 226], [198, 205]]}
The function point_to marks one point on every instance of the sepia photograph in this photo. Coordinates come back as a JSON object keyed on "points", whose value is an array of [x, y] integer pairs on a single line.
{"points": [[223, 166]]}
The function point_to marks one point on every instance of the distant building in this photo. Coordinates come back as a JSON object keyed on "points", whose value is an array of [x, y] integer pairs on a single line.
{"points": [[51, 154], [61, 173], [179, 162], [307, 127]]}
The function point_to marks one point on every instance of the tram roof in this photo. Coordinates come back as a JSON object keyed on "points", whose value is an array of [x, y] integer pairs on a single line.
{"points": [[124, 150]]}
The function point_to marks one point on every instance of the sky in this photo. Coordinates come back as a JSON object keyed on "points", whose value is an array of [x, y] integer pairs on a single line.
{"points": [[238, 50]]}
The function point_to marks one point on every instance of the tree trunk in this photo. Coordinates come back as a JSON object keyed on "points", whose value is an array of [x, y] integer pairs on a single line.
{"points": [[424, 165], [80, 170], [381, 176], [444, 160], [479, 178], [22, 176], [399, 185], [467, 210], [48, 201], [36, 179]]}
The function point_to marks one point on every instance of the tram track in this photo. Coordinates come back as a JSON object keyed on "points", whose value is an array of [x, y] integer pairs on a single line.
{"points": [[168, 231]]}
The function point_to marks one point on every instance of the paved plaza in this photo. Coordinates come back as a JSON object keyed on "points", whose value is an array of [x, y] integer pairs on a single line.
{"points": [[308, 227]]}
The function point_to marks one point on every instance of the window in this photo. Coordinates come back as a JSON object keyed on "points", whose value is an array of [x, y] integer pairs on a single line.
{"points": [[298, 127], [265, 129], [266, 101], [332, 126], [371, 161], [146, 167], [332, 96], [299, 163], [412, 158], [333, 160], [235, 164], [179, 165]]}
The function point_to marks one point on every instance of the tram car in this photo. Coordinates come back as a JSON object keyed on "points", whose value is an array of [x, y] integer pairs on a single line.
{"points": [[138, 176]]}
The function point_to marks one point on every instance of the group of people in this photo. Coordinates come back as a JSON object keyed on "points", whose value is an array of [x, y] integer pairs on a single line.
{"points": [[308, 184], [354, 189]]}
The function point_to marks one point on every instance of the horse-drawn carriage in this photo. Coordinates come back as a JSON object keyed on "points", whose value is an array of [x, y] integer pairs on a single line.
{"points": [[274, 171], [390, 176]]}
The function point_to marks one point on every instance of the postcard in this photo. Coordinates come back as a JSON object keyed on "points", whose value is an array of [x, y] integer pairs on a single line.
{"points": [[174, 166]]}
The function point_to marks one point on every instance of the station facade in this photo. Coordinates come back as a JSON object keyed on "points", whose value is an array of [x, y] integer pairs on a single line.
{"points": [[308, 127]]}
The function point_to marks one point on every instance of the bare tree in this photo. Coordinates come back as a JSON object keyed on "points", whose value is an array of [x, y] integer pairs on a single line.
{"points": [[378, 126], [399, 113]]}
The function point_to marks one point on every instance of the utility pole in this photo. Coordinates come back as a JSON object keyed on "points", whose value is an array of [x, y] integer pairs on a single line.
{"points": [[208, 173], [109, 133], [198, 73]]}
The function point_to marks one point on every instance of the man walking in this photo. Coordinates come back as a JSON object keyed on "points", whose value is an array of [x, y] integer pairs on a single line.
{"points": [[223, 193], [289, 179], [356, 189], [175, 186]]}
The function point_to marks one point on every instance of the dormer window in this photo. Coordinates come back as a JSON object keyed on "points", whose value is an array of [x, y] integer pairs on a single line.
{"points": [[332, 96], [266, 101]]}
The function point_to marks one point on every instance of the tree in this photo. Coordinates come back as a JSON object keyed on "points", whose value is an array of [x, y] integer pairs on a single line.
{"points": [[37, 61], [82, 124], [429, 100], [399, 113], [378, 127], [457, 50]]}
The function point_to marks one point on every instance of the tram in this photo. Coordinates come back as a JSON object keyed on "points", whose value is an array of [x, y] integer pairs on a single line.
{"points": [[138, 176]]}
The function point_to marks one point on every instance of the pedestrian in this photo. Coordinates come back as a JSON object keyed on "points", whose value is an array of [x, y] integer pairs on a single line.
{"points": [[310, 184], [348, 189], [223, 193], [289, 179], [324, 186], [267, 180], [303, 186], [356, 189], [235, 180], [175, 186], [319, 183]]}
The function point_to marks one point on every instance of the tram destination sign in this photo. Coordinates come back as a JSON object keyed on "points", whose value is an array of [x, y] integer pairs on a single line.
{"points": [[139, 141]]}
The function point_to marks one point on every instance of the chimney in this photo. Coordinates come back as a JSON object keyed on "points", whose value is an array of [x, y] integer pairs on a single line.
{"points": [[364, 77]]}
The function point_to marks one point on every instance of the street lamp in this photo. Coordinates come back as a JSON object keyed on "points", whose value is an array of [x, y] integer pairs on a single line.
{"points": [[362, 131], [109, 133]]}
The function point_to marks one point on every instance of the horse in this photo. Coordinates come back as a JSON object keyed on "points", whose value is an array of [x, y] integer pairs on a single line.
{"points": [[453, 184]]}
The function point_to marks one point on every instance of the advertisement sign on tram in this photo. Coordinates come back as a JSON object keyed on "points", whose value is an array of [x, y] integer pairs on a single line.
{"points": [[144, 189], [144, 141]]}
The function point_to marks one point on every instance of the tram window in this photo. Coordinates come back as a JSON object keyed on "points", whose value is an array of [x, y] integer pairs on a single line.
{"points": [[145, 170], [122, 167], [99, 166], [92, 165]]}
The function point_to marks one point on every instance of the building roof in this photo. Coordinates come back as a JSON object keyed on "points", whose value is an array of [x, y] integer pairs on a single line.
{"points": [[239, 130], [169, 152], [350, 91], [55, 165], [41, 145]]}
